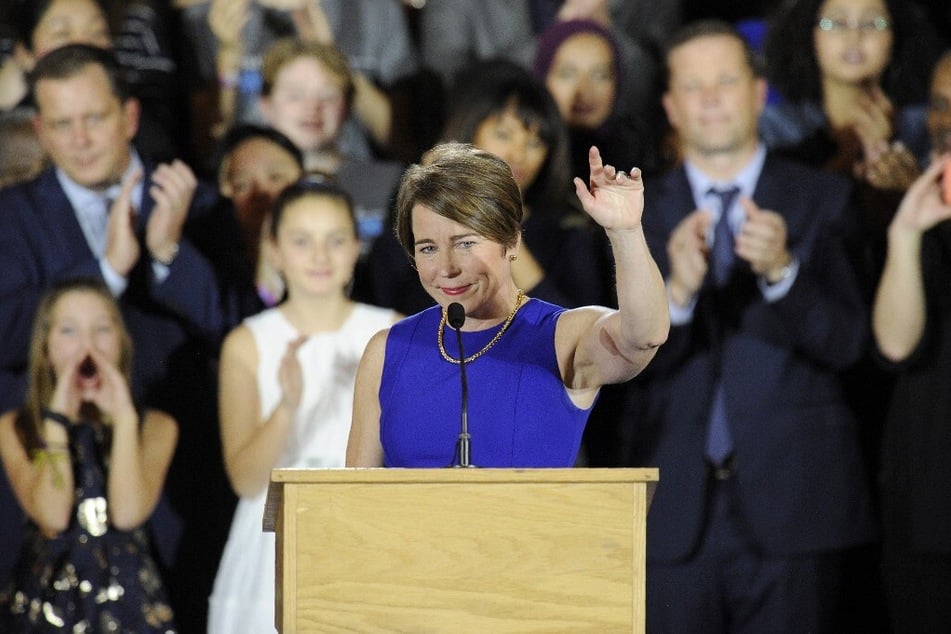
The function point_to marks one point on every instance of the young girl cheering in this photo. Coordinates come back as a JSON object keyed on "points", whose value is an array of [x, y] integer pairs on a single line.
{"points": [[87, 468], [287, 378]]}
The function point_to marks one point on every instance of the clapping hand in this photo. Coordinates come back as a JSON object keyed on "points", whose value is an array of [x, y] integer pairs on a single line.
{"points": [[122, 246], [290, 376], [873, 118], [884, 164], [173, 185], [889, 166], [923, 206], [688, 253], [762, 240]]}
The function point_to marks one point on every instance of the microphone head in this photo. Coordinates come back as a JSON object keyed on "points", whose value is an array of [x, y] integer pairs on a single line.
{"points": [[457, 315]]}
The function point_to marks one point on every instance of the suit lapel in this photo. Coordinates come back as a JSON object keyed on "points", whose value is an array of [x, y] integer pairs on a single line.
{"points": [[776, 193], [678, 197], [58, 217]]}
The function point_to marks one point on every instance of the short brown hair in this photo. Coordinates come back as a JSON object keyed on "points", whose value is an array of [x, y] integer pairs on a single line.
{"points": [[70, 60], [466, 185]]}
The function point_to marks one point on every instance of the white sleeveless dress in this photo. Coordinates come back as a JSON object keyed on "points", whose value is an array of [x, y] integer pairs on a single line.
{"points": [[243, 596]]}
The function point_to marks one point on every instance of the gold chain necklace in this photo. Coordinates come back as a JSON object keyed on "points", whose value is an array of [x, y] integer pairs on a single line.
{"points": [[495, 339]]}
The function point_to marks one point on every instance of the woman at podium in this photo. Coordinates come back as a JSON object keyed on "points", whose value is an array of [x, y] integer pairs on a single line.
{"points": [[519, 389]]}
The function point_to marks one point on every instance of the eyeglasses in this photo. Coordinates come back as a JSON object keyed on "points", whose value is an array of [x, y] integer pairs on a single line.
{"points": [[841, 25]]}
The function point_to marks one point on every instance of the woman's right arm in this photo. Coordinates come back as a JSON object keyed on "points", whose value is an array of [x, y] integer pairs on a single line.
{"points": [[251, 446], [43, 483], [898, 315], [364, 448]]}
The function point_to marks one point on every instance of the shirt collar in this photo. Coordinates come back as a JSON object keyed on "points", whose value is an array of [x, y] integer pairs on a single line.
{"points": [[81, 197], [745, 179]]}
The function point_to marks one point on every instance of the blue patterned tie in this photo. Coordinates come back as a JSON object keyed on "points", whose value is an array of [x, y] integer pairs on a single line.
{"points": [[719, 444], [723, 241]]}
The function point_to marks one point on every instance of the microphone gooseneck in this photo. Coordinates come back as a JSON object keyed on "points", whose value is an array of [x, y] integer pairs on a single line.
{"points": [[456, 316]]}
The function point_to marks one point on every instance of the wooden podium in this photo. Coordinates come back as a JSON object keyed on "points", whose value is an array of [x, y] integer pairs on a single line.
{"points": [[460, 550]]}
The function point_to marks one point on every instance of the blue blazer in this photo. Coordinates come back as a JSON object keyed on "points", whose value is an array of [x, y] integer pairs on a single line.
{"points": [[799, 470]]}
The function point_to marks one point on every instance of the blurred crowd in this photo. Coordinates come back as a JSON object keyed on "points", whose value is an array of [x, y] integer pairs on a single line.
{"points": [[164, 176]]}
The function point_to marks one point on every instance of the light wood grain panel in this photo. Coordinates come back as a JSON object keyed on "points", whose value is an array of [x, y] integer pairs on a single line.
{"points": [[480, 551]]}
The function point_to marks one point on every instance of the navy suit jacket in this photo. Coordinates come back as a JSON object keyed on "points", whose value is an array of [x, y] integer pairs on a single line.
{"points": [[799, 472], [176, 325], [41, 243]]}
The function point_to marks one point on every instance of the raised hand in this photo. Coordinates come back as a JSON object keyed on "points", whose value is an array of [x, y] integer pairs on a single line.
{"points": [[614, 199], [122, 246], [922, 207], [762, 240], [173, 185], [227, 18], [312, 22]]}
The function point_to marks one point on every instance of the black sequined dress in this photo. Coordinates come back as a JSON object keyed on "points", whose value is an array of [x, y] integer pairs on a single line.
{"points": [[92, 577]]}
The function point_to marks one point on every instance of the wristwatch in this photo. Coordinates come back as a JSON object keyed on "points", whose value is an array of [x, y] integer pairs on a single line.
{"points": [[784, 273], [168, 260]]}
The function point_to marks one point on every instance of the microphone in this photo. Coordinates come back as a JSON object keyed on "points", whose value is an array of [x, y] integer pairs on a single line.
{"points": [[457, 316]]}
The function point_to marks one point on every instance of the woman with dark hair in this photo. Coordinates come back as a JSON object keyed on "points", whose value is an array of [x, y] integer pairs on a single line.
{"points": [[854, 78], [852, 75], [501, 108], [580, 63], [486, 90]]}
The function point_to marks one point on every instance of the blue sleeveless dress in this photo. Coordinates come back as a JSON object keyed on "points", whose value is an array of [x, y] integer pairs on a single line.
{"points": [[520, 414]]}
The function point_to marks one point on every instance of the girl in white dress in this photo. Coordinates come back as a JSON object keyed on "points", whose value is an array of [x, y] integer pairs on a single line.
{"points": [[286, 387]]}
